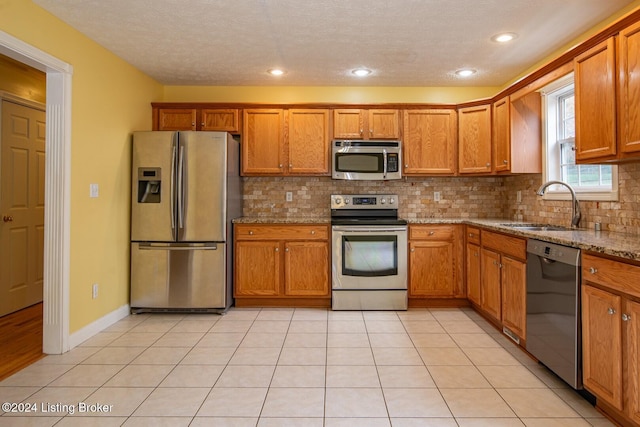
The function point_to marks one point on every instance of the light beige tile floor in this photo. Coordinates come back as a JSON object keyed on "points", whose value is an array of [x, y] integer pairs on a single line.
{"points": [[295, 367]]}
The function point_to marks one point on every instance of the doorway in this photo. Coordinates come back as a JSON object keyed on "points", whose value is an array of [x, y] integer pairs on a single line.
{"points": [[57, 189]]}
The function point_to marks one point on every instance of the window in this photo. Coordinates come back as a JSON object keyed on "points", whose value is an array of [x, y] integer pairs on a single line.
{"points": [[590, 182]]}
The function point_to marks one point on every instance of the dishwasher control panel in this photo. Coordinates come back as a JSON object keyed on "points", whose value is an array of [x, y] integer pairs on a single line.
{"points": [[552, 251]]}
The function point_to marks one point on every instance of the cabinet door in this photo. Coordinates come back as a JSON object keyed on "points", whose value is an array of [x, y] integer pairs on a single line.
{"points": [[384, 124], [263, 142], [309, 142], [473, 273], [629, 89], [430, 139], [257, 268], [502, 135], [632, 310], [514, 295], [490, 282], [431, 266], [225, 120], [595, 91], [474, 139], [525, 123], [348, 123], [306, 269], [602, 345], [177, 119]]}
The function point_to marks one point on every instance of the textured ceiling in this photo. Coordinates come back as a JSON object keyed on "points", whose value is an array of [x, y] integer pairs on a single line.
{"points": [[318, 42]]}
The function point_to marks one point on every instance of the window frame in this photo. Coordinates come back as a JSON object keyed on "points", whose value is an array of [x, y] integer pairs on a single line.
{"points": [[551, 160]]}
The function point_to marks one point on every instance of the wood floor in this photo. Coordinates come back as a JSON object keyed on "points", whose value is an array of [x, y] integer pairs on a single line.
{"points": [[20, 339]]}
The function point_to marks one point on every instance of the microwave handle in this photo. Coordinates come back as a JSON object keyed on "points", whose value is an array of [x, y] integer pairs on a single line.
{"points": [[384, 163]]}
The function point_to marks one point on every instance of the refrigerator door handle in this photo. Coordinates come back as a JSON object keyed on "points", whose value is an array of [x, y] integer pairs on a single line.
{"points": [[181, 188], [165, 247], [173, 181]]}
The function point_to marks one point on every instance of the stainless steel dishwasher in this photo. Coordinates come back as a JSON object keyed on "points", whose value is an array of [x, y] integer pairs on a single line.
{"points": [[553, 309]]}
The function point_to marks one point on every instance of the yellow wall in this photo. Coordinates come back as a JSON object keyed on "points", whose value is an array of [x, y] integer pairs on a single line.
{"points": [[110, 99], [337, 95]]}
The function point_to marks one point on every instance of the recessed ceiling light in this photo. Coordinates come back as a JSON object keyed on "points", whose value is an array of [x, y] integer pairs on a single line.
{"points": [[275, 72], [504, 37], [465, 72], [361, 72]]}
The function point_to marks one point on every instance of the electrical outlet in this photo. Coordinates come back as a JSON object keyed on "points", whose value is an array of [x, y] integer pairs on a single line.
{"points": [[94, 291], [436, 196], [289, 196], [519, 196]]}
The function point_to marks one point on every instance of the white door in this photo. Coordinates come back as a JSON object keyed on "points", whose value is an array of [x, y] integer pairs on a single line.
{"points": [[21, 206]]}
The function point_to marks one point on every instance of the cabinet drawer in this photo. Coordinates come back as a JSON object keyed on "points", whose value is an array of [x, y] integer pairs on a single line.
{"points": [[511, 246], [431, 232], [281, 232], [473, 235], [616, 275]]}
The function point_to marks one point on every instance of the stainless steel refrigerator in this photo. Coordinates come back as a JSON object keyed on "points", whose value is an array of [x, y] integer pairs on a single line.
{"points": [[186, 190]]}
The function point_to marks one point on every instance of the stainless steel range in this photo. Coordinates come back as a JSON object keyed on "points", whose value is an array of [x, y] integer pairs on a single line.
{"points": [[369, 253]]}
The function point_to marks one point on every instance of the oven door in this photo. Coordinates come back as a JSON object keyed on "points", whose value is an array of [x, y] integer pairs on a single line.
{"points": [[369, 257]]}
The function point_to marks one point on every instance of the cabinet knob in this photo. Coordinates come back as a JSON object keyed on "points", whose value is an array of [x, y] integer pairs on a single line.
{"points": [[488, 165], [500, 265], [193, 123], [406, 165], [593, 270], [202, 124], [290, 165], [280, 165], [626, 317], [250, 232], [471, 234], [277, 249], [413, 250], [506, 162], [611, 311], [286, 249], [361, 131], [431, 233], [371, 132], [313, 231]]}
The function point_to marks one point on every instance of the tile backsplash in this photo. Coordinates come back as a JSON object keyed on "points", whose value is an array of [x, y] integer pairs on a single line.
{"points": [[460, 197]]}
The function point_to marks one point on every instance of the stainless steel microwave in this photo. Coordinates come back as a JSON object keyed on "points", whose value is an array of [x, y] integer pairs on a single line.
{"points": [[366, 160]]}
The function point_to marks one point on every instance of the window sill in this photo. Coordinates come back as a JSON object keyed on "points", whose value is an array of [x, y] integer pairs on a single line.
{"points": [[596, 196]]}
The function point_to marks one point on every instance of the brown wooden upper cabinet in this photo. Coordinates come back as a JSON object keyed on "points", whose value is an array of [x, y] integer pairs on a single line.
{"points": [[607, 88], [268, 150], [430, 142], [203, 119], [474, 139], [517, 137], [354, 123]]}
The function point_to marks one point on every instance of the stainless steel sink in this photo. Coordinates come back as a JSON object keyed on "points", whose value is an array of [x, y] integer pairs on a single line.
{"points": [[537, 227]]}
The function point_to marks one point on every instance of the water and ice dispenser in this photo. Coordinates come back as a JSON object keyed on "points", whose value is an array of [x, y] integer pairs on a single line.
{"points": [[149, 185]]}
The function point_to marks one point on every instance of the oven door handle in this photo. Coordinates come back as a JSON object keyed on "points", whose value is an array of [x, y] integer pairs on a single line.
{"points": [[365, 229]]}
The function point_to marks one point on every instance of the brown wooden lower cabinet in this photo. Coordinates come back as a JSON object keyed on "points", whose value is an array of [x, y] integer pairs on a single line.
{"points": [[436, 263], [496, 277], [281, 265], [611, 336]]}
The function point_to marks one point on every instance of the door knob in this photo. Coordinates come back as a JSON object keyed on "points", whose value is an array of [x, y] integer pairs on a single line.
{"points": [[7, 218]]}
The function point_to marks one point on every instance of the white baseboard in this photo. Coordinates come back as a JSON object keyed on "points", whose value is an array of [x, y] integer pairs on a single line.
{"points": [[99, 325]]}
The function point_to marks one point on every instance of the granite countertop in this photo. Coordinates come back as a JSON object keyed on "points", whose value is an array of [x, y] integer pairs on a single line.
{"points": [[604, 242]]}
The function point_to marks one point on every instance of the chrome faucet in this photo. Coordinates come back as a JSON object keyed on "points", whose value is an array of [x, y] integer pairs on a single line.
{"points": [[575, 209]]}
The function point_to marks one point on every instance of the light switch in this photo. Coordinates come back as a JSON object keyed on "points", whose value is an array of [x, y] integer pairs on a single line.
{"points": [[436, 196], [289, 196], [93, 190]]}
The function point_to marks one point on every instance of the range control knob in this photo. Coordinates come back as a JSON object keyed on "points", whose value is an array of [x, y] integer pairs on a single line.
{"points": [[383, 201], [338, 200], [347, 201], [392, 200]]}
